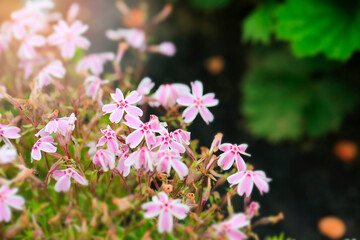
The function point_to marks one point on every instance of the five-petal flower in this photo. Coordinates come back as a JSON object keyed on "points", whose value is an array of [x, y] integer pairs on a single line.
{"points": [[232, 152], [44, 144], [246, 179], [198, 103], [229, 228], [63, 178], [165, 208], [9, 199]]}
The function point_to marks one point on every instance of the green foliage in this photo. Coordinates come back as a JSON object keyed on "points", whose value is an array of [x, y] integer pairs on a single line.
{"points": [[210, 4], [280, 237], [313, 27], [259, 25], [283, 98]]}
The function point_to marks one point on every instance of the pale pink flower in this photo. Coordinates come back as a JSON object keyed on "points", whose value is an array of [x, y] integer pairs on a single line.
{"points": [[143, 130], [197, 102], [167, 94], [181, 136], [141, 159], [44, 144], [92, 85], [134, 37], [110, 138], [58, 125], [167, 49], [63, 178], [167, 141], [68, 38], [144, 88], [122, 105], [7, 154], [9, 199], [28, 45], [121, 167], [253, 209], [168, 159], [246, 179], [92, 147], [166, 209], [53, 70], [104, 159], [16, 29], [232, 152], [229, 229], [94, 63], [8, 132], [29, 64]]}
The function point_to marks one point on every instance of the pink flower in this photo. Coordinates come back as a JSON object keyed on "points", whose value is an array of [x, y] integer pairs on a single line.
{"points": [[134, 37], [144, 88], [44, 144], [122, 105], [63, 178], [121, 167], [7, 131], [58, 125], [167, 49], [168, 159], [253, 209], [68, 38], [9, 199], [143, 130], [197, 102], [29, 64], [47, 74], [27, 48], [246, 179], [231, 153], [229, 229], [104, 159], [94, 63], [7, 154], [110, 138], [141, 159], [167, 94], [73, 12], [181, 136], [166, 209], [92, 86], [166, 141]]}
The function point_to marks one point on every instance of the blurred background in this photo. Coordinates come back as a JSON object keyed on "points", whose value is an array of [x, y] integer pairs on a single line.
{"points": [[287, 74]]}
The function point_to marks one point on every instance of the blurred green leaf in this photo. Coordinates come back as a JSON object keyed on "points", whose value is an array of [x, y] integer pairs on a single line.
{"points": [[210, 4], [285, 100], [259, 25], [325, 26]]}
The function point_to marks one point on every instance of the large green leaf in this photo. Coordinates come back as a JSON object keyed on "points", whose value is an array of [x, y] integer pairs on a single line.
{"points": [[285, 100], [324, 26], [259, 25]]}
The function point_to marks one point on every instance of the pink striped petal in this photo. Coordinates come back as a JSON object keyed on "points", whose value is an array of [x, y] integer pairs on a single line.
{"points": [[133, 97], [150, 139], [63, 184], [238, 221], [113, 145], [133, 122], [225, 147], [262, 185], [47, 147], [234, 234], [197, 89], [240, 163], [235, 178], [246, 185], [181, 168], [179, 210], [116, 115], [227, 160], [58, 174], [190, 113], [135, 138], [5, 213], [209, 100], [152, 209], [78, 178], [206, 114], [134, 111], [165, 221], [109, 108], [15, 201], [35, 154], [186, 100], [117, 96], [11, 132], [68, 50]]}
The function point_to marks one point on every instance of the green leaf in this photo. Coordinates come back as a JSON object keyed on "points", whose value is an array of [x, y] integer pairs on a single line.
{"points": [[285, 100], [259, 25], [210, 4], [324, 26]]}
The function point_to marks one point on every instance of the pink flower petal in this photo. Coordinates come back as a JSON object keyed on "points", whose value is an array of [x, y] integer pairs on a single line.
{"points": [[262, 185], [58, 174], [180, 168], [246, 185], [117, 96], [134, 111], [234, 234], [197, 89], [133, 122], [190, 113], [180, 210], [238, 221], [240, 163], [165, 221], [209, 100], [152, 209], [5, 213], [135, 138], [109, 108], [235, 178], [78, 178], [15, 201], [116, 115], [186, 100], [133, 97], [63, 184], [226, 159], [47, 147], [35, 154], [206, 114]]}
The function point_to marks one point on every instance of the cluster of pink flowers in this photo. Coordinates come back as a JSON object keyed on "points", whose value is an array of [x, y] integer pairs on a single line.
{"points": [[129, 144]]}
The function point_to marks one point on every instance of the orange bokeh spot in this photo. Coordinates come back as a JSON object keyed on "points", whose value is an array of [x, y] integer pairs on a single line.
{"points": [[346, 150], [332, 227]]}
